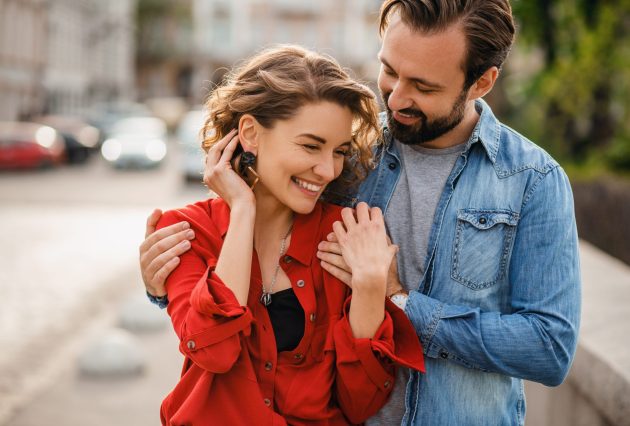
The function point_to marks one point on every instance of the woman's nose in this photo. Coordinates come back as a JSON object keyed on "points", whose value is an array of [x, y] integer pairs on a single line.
{"points": [[325, 168]]}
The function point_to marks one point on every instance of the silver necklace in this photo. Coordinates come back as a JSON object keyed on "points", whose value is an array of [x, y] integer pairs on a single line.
{"points": [[265, 297]]}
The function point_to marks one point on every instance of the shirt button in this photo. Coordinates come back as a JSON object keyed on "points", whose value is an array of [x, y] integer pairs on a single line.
{"points": [[268, 366], [312, 317], [298, 357], [267, 402], [392, 166], [482, 220], [191, 345], [387, 384], [300, 283], [443, 355], [287, 259]]}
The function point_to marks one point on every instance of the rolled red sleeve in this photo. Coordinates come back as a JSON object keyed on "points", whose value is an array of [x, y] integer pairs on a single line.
{"points": [[206, 315], [366, 367]]}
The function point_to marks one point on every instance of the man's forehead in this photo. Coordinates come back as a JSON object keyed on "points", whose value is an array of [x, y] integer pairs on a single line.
{"points": [[437, 53]]}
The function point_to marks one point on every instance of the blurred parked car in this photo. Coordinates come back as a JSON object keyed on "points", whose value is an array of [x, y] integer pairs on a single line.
{"points": [[105, 115], [188, 138], [80, 138], [29, 145], [136, 142]]}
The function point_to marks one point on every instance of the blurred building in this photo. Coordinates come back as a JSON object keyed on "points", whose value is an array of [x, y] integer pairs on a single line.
{"points": [[164, 56], [23, 28], [90, 56], [60, 56], [226, 31]]}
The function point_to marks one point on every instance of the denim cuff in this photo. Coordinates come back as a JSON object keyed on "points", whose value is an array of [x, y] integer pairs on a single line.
{"points": [[160, 301], [424, 313]]}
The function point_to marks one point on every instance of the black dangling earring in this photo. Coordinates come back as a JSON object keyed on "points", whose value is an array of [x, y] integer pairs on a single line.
{"points": [[246, 163]]}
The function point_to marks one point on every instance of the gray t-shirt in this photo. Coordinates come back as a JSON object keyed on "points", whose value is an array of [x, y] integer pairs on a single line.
{"points": [[408, 218]]}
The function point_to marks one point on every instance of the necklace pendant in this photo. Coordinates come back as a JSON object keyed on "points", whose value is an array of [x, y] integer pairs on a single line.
{"points": [[265, 298]]}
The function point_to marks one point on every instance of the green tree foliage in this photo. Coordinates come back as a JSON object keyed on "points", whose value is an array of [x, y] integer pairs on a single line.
{"points": [[577, 104]]}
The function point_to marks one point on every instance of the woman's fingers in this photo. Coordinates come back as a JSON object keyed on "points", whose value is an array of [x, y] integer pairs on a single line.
{"points": [[363, 212], [226, 156], [349, 221]]}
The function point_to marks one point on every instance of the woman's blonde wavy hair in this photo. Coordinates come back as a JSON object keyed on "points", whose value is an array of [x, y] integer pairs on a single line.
{"points": [[276, 82]]}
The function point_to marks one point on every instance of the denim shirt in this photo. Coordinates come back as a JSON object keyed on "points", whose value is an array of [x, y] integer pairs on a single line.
{"points": [[500, 297]]}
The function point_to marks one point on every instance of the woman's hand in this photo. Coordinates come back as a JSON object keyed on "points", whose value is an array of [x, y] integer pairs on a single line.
{"points": [[368, 254], [365, 248], [221, 178]]}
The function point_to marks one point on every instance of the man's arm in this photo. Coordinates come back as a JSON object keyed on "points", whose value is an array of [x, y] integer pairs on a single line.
{"points": [[537, 339], [160, 251]]}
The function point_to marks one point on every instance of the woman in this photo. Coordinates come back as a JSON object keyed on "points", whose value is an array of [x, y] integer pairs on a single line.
{"points": [[268, 336]]}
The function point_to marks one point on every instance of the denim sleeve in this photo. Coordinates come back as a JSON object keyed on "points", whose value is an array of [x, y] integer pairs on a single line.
{"points": [[536, 338], [160, 301]]}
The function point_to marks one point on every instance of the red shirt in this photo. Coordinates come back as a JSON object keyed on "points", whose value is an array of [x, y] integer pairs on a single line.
{"points": [[233, 374]]}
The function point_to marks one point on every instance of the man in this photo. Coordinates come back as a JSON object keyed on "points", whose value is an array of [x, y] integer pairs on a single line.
{"points": [[488, 263]]}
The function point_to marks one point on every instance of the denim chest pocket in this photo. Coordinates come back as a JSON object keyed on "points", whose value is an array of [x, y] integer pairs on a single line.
{"points": [[483, 240]]}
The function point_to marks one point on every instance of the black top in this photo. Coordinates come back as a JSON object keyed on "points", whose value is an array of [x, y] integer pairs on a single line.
{"points": [[287, 319]]}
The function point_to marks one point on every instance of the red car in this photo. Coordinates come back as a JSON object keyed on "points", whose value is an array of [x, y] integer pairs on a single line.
{"points": [[28, 145]]}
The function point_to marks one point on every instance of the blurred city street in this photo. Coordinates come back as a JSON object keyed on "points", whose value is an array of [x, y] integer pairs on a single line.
{"points": [[68, 265]]}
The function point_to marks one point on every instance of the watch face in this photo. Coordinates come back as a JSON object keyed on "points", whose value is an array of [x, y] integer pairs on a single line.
{"points": [[399, 300]]}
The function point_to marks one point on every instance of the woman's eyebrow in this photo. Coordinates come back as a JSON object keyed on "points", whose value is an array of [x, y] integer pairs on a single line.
{"points": [[312, 136]]}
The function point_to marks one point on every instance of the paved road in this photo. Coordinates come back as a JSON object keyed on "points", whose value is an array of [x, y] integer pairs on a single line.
{"points": [[67, 262]]}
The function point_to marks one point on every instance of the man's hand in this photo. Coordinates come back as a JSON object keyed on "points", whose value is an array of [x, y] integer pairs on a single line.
{"points": [[329, 253], [160, 251]]}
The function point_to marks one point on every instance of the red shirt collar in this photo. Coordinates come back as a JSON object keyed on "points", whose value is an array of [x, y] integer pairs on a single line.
{"points": [[304, 237]]}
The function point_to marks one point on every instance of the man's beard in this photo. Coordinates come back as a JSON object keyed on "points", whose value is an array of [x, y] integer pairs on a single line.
{"points": [[425, 130]]}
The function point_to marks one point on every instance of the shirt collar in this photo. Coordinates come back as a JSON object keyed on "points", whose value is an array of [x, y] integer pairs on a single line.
{"points": [[487, 130], [304, 237]]}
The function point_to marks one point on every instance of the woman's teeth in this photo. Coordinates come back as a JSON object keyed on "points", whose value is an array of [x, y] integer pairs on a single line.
{"points": [[308, 186]]}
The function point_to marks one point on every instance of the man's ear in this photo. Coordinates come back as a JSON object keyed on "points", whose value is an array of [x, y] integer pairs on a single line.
{"points": [[484, 84], [249, 132]]}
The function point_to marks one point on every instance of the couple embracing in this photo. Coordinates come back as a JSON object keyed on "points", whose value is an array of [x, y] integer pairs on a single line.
{"points": [[454, 277]]}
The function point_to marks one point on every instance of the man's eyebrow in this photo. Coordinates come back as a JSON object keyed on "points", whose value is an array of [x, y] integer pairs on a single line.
{"points": [[414, 79]]}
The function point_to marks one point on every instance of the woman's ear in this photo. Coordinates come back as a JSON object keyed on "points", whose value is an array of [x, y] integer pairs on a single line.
{"points": [[248, 133]]}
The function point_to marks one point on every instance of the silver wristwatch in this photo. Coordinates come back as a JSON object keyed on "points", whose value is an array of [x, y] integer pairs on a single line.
{"points": [[399, 299]]}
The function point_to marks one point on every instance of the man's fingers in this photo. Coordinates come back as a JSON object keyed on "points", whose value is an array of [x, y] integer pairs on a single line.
{"points": [[157, 285], [153, 271], [332, 237], [334, 259], [181, 229], [152, 221], [338, 273], [330, 247]]}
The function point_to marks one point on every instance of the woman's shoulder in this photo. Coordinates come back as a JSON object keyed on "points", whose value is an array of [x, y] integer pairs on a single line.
{"points": [[199, 214], [330, 214]]}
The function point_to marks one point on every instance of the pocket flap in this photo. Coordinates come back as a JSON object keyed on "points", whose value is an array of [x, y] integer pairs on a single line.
{"points": [[486, 219]]}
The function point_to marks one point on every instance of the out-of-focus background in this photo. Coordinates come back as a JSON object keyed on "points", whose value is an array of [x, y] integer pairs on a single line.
{"points": [[99, 114]]}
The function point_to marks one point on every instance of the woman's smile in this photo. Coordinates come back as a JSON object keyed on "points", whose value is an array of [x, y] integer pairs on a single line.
{"points": [[306, 187]]}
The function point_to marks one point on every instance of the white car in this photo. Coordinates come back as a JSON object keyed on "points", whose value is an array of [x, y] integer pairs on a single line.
{"points": [[136, 142], [188, 136]]}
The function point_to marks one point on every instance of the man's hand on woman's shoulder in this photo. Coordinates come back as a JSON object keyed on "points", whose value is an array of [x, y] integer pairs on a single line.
{"points": [[160, 251]]}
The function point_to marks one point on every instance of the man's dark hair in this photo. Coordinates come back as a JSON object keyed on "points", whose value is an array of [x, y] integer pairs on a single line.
{"points": [[487, 24]]}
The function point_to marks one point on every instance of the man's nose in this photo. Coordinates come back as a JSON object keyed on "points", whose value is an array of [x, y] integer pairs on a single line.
{"points": [[398, 98]]}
